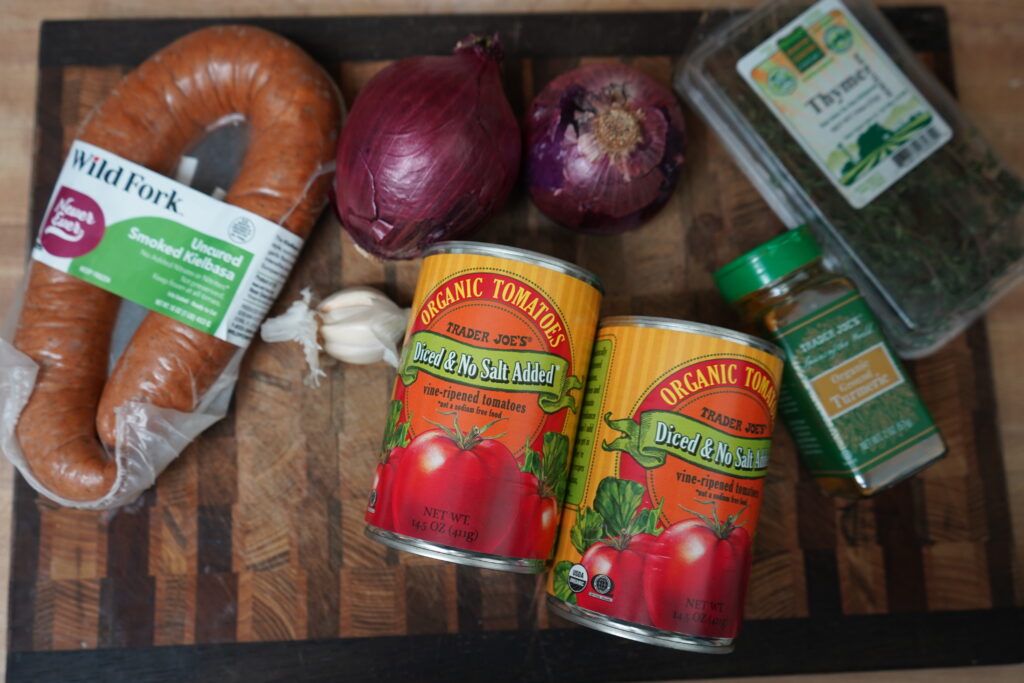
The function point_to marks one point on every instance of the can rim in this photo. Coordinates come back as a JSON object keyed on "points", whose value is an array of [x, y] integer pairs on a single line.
{"points": [[469, 558], [516, 254], [640, 632], [695, 328]]}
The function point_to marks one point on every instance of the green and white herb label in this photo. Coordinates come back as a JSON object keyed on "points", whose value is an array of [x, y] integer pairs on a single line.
{"points": [[172, 249], [844, 101]]}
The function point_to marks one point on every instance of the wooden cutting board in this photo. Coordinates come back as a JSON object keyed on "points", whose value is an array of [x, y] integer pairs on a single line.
{"points": [[247, 560]]}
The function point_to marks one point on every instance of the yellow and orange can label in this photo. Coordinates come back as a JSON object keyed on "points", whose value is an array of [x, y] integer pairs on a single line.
{"points": [[474, 462], [666, 482]]}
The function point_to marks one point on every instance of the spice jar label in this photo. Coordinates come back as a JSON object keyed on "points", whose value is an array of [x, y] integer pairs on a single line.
{"points": [[857, 381], [839, 357], [844, 101]]}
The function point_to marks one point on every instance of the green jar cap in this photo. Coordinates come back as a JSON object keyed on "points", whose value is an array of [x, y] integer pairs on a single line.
{"points": [[767, 263]]}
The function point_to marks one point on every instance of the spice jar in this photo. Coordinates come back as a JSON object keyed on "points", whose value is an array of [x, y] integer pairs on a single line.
{"points": [[856, 418]]}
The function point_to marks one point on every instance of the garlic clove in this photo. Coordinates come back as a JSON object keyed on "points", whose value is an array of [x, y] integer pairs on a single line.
{"points": [[355, 353], [355, 325], [362, 325], [343, 302]]}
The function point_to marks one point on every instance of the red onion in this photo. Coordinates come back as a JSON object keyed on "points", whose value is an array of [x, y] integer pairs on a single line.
{"points": [[604, 148], [429, 152]]}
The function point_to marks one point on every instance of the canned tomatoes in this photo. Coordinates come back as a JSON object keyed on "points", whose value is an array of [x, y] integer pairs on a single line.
{"points": [[666, 482], [475, 457]]}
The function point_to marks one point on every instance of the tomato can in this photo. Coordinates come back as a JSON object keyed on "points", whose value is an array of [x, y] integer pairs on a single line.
{"points": [[475, 456], [666, 482]]}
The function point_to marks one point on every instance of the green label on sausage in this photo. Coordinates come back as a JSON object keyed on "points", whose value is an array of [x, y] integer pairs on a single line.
{"points": [[161, 244], [189, 276]]}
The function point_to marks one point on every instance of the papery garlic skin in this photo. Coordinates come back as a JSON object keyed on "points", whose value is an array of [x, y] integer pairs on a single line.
{"points": [[299, 324]]}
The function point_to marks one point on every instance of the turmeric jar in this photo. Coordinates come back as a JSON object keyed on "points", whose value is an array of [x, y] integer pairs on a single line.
{"points": [[857, 419]]}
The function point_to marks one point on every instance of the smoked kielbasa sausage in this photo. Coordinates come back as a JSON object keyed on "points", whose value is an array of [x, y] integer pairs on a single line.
{"points": [[156, 113]]}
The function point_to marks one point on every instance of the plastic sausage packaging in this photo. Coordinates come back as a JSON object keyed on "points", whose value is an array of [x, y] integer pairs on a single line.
{"points": [[87, 431]]}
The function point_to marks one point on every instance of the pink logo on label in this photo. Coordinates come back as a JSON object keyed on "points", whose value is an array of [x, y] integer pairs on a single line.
{"points": [[74, 226]]}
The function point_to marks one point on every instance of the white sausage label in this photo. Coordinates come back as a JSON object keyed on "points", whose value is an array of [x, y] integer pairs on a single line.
{"points": [[174, 250]]}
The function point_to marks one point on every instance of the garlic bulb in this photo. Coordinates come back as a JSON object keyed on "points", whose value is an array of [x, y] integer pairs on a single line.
{"points": [[361, 325], [355, 325]]}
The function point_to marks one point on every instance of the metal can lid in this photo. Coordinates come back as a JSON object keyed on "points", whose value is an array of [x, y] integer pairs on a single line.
{"points": [[517, 254], [693, 328]]}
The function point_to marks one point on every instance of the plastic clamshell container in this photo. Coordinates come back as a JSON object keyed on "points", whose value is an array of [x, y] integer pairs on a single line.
{"points": [[933, 250]]}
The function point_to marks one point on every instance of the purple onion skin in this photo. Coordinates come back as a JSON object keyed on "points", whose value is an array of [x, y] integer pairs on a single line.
{"points": [[604, 148], [429, 152]]}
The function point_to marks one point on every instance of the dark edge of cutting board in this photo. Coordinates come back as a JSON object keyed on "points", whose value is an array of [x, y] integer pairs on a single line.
{"points": [[822, 644], [128, 42], [793, 646]]}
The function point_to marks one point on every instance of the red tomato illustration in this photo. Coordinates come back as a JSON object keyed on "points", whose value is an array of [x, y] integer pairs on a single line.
{"points": [[378, 509], [536, 521], [695, 579], [620, 595], [455, 489]]}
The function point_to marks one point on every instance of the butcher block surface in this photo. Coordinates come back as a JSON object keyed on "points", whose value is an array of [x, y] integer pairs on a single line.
{"points": [[248, 556]]}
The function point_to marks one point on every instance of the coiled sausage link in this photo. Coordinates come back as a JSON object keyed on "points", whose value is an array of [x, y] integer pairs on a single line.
{"points": [[155, 114]]}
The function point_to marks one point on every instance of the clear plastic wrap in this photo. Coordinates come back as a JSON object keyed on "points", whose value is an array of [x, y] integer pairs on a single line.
{"points": [[270, 151], [149, 437], [941, 238]]}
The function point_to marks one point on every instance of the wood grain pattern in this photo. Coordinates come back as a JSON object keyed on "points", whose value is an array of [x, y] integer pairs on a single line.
{"points": [[255, 533]]}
